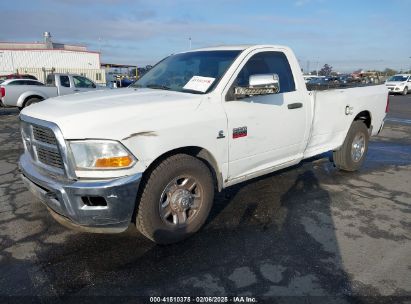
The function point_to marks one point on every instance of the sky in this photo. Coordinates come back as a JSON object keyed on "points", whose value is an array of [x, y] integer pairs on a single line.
{"points": [[346, 34]]}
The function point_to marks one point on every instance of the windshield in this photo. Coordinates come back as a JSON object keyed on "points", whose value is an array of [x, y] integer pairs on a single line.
{"points": [[397, 78], [177, 72]]}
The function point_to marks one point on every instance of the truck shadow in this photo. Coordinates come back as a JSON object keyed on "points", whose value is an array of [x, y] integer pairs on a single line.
{"points": [[272, 236]]}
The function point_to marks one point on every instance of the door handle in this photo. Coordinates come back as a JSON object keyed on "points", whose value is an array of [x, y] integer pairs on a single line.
{"points": [[295, 105]]}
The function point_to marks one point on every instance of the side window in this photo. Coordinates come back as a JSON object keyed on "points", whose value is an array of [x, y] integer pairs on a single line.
{"points": [[83, 82], [50, 80], [17, 82], [268, 63], [65, 81]]}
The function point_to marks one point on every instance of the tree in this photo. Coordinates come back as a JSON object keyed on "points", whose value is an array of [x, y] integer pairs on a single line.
{"points": [[389, 72], [326, 70]]}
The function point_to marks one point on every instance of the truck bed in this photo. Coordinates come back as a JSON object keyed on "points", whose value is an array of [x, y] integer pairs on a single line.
{"points": [[333, 86], [330, 120], [16, 92]]}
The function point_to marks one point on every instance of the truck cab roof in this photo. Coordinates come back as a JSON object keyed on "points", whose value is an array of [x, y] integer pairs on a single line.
{"points": [[239, 47]]}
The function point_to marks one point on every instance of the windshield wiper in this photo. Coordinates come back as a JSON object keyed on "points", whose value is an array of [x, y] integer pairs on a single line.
{"points": [[157, 86], [192, 91]]}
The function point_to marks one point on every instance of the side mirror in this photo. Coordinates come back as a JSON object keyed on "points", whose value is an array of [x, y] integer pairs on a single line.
{"points": [[260, 84]]}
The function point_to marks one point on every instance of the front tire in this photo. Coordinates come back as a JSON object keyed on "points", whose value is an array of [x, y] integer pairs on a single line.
{"points": [[405, 92], [176, 199], [352, 153]]}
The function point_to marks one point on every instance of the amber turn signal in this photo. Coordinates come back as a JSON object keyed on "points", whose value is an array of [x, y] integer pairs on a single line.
{"points": [[114, 162]]}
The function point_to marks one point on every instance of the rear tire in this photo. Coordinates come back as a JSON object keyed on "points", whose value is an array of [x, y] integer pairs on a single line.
{"points": [[352, 153], [31, 101], [176, 199]]}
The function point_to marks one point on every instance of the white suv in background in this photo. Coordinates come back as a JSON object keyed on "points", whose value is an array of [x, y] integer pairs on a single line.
{"points": [[400, 83]]}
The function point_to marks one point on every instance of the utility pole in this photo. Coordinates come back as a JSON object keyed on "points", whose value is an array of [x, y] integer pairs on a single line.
{"points": [[99, 42], [12, 61]]}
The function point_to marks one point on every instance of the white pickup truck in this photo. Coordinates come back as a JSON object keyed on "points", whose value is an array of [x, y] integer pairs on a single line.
{"points": [[25, 92], [154, 154]]}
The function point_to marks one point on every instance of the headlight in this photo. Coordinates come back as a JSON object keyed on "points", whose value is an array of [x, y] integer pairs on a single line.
{"points": [[101, 154]]}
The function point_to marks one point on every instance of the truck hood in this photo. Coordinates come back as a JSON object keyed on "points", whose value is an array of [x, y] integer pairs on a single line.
{"points": [[112, 114]]}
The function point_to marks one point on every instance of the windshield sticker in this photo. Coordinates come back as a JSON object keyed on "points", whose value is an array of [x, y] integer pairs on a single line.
{"points": [[199, 83]]}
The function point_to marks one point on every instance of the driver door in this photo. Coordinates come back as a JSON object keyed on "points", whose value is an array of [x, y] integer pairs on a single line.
{"points": [[265, 131]]}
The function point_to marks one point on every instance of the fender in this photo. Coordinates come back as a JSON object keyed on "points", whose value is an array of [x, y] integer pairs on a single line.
{"points": [[23, 97]]}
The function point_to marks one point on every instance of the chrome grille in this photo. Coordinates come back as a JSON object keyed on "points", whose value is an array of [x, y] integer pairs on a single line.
{"points": [[48, 157], [44, 135], [42, 145]]}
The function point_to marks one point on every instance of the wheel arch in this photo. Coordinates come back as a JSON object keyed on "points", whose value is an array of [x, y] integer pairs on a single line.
{"points": [[366, 117], [195, 151], [23, 99]]}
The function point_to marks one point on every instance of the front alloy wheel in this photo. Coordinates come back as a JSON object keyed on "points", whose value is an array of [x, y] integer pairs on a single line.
{"points": [[175, 200], [180, 201]]}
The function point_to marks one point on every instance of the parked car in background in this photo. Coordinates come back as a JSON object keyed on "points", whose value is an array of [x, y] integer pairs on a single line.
{"points": [[324, 80], [332, 79], [24, 92], [308, 78], [18, 76], [347, 79], [344, 79], [400, 83], [124, 82], [319, 81]]}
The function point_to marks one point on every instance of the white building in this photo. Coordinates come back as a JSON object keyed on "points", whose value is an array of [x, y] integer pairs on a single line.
{"points": [[41, 58]]}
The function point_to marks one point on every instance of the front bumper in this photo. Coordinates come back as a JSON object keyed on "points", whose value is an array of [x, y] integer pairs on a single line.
{"points": [[395, 89], [66, 199]]}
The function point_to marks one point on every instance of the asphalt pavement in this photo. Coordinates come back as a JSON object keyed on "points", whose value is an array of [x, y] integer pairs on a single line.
{"points": [[309, 230]]}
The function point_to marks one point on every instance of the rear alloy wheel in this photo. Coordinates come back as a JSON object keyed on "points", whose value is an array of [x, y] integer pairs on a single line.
{"points": [[405, 92], [358, 147], [31, 101], [176, 198], [352, 153]]}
